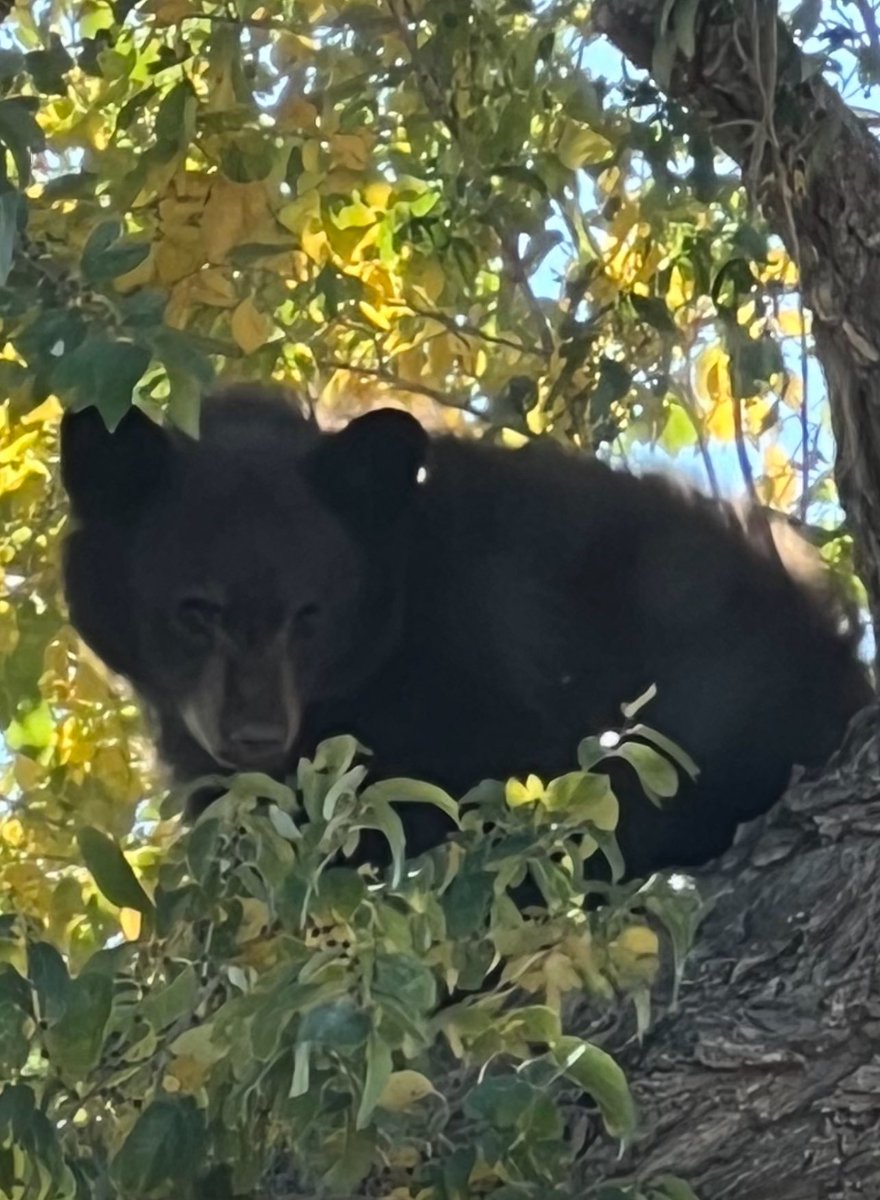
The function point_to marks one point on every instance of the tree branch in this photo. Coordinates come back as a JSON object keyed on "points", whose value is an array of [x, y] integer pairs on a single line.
{"points": [[764, 1084]]}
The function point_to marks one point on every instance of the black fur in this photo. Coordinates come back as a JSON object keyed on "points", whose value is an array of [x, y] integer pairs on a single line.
{"points": [[284, 584]]}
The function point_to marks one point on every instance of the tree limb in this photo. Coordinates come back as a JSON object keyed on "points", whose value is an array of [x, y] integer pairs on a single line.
{"points": [[765, 1083]]}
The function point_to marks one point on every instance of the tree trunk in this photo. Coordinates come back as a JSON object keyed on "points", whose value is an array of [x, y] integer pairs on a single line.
{"points": [[765, 1083], [815, 168]]}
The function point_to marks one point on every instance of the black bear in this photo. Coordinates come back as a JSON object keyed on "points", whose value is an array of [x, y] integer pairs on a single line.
{"points": [[466, 611]]}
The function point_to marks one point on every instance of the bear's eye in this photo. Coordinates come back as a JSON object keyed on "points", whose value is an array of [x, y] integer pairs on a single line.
{"points": [[306, 619], [198, 615]]}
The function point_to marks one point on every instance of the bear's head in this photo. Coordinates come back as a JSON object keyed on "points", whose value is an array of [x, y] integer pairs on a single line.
{"points": [[240, 578]]}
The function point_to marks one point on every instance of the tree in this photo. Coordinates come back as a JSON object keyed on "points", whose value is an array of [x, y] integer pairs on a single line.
{"points": [[443, 205]]}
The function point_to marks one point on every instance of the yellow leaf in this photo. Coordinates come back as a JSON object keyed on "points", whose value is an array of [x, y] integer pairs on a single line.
{"points": [[299, 213], [28, 773], [374, 315], [12, 832], [430, 278], [638, 940], [171, 12], [188, 1074], [290, 48], [111, 766], [779, 486], [251, 328], [130, 924], [780, 268], [377, 194], [405, 1088], [139, 276], [235, 213], [47, 413], [793, 392], [198, 1044], [16, 451], [559, 978], [255, 919], [8, 628], [712, 385], [352, 150], [791, 325], [634, 956], [580, 145], [517, 794], [311, 156], [297, 113]]}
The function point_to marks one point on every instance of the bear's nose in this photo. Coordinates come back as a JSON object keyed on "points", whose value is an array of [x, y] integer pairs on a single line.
{"points": [[255, 745]]}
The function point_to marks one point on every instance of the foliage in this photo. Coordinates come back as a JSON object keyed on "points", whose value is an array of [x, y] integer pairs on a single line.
{"points": [[279, 1009], [435, 203], [429, 202]]}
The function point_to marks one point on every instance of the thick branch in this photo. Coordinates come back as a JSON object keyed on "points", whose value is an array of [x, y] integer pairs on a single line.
{"points": [[815, 168], [765, 1084]]}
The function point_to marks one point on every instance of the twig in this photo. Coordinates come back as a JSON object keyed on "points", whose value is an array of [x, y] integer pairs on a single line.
{"points": [[742, 453], [403, 385], [869, 20], [684, 397]]}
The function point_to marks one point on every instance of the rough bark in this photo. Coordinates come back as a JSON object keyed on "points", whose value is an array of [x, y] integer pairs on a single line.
{"points": [[765, 1083], [814, 166]]}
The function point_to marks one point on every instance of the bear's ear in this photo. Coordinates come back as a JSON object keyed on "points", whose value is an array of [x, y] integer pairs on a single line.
{"points": [[369, 470], [109, 474]]}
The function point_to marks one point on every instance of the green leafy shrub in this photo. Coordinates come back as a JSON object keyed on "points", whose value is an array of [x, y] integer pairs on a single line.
{"points": [[386, 1033]]}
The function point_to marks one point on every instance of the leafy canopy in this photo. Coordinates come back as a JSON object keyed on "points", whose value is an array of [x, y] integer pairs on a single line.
{"points": [[469, 208]]}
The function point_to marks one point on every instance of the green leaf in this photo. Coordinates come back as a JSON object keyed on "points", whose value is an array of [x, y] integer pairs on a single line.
{"points": [[47, 68], [176, 117], [182, 354], [166, 1005], [335, 755], [11, 62], [654, 312], [656, 774], [76, 1040], [352, 1165], [342, 890], [111, 872], [600, 1076], [21, 133], [630, 709], [466, 903], [165, 1147], [501, 1100], [17, 1109], [35, 729], [10, 208], [14, 1037], [678, 432], [668, 747], [339, 1025], [615, 380], [381, 816], [407, 980], [378, 1072], [102, 373], [412, 791], [48, 974], [107, 255], [299, 1084], [184, 401]]}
